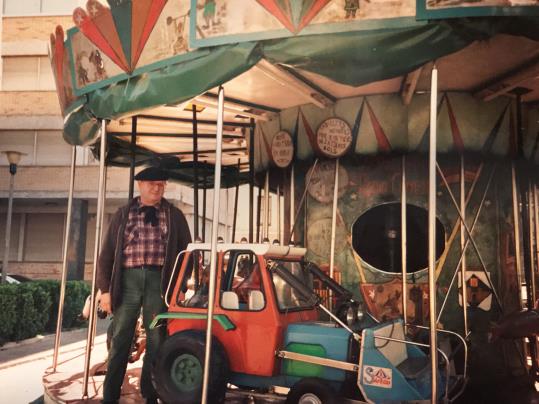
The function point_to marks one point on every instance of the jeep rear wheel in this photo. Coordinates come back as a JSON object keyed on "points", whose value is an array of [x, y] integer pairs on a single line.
{"points": [[311, 390], [179, 368]]}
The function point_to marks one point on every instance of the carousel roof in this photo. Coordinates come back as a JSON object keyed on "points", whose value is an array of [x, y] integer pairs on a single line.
{"points": [[488, 57]]}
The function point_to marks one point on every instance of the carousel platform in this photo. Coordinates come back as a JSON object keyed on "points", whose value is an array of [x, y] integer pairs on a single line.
{"points": [[66, 384]]}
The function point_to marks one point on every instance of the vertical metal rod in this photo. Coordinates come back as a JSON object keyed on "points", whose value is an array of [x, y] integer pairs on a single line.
{"points": [[334, 221], [531, 212], [516, 228], [265, 229], [404, 244], [258, 207], [292, 203], [236, 197], [470, 237], [432, 235], [8, 228], [457, 266], [279, 227], [301, 201], [464, 290], [204, 195], [132, 163], [536, 215], [213, 257], [195, 169], [64, 261], [251, 179], [92, 319]]}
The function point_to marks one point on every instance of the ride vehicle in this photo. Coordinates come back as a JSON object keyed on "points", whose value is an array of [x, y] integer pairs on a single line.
{"points": [[269, 338]]}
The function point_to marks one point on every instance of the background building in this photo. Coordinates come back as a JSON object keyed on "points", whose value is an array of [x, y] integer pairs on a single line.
{"points": [[30, 122]]}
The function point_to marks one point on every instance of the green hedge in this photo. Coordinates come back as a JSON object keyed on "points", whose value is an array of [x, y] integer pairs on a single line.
{"points": [[31, 308]]}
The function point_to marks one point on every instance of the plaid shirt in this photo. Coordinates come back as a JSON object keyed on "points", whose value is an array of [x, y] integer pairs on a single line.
{"points": [[144, 244]]}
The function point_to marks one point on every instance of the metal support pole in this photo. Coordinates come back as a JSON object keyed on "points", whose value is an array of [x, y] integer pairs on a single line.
{"points": [[334, 221], [195, 169], [464, 289], [531, 213], [481, 204], [251, 179], [302, 200], [8, 228], [92, 319], [213, 258], [516, 228], [236, 197], [64, 261], [132, 165], [404, 244], [536, 216], [292, 202], [471, 239], [265, 229], [432, 235], [279, 227], [258, 208], [204, 194]]}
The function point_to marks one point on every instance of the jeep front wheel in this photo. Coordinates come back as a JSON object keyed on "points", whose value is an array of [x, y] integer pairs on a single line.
{"points": [[179, 368], [311, 390]]}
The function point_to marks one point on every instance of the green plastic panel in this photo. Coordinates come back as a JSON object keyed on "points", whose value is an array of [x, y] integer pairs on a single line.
{"points": [[304, 369]]}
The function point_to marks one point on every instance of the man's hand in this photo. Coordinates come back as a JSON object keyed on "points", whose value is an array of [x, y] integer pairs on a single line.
{"points": [[104, 303]]}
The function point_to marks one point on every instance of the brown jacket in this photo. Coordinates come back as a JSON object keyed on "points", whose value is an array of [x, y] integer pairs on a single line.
{"points": [[109, 264]]}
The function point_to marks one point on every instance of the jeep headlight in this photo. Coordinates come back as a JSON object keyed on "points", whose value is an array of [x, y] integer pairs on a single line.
{"points": [[360, 312], [351, 316]]}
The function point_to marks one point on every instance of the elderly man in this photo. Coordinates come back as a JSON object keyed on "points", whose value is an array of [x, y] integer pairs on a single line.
{"points": [[134, 268]]}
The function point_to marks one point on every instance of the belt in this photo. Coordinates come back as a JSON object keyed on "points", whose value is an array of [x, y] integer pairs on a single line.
{"points": [[155, 268]]}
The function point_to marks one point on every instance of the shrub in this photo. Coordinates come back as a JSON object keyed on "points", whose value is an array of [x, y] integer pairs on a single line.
{"points": [[32, 308]]}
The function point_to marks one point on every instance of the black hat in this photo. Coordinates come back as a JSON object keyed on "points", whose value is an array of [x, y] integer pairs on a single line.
{"points": [[152, 174]]}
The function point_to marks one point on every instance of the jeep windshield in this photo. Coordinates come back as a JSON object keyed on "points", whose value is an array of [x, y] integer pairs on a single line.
{"points": [[288, 296]]}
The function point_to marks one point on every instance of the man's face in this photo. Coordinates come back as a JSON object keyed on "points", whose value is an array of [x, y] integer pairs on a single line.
{"points": [[151, 192]]}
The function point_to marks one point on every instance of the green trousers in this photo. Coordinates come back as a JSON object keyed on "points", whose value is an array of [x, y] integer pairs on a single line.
{"points": [[141, 288]]}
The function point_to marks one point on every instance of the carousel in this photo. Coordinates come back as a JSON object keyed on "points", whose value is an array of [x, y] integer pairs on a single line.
{"points": [[401, 141]]}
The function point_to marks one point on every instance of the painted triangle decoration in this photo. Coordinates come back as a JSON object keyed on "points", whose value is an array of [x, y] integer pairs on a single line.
{"points": [[57, 58], [121, 31], [455, 131], [310, 133], [357, 124], [98, 27], [145, 16], [294, 15], [489, 142], [424, 143], [381, 138]]}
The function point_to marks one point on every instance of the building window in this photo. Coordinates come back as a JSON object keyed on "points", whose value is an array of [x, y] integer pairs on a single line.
{"points": [[27, 73], [35, 7], [44, 236]]}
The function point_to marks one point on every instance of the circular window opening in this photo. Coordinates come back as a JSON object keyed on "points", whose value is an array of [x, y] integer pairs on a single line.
{"points": [[376, 237]]}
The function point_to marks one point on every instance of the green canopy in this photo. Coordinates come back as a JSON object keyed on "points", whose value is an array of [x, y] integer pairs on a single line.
{"points": [[352, 58]]}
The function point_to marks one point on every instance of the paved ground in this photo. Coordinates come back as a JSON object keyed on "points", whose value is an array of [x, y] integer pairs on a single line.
{"points": [[22, 366]]}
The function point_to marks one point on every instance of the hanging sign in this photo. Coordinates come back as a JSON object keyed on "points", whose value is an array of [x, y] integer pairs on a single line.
{"points": [[322, 181], [334, 137], [282, 149]]}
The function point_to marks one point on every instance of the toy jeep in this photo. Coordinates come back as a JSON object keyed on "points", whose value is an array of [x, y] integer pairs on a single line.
{"points": [[269, 340]]}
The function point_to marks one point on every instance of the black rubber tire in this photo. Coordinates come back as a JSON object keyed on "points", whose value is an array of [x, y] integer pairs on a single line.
{"points": [[313, 387], [188, 349]]}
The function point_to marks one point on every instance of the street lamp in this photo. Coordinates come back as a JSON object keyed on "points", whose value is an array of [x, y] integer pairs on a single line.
{"points": [[13, 158]]}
